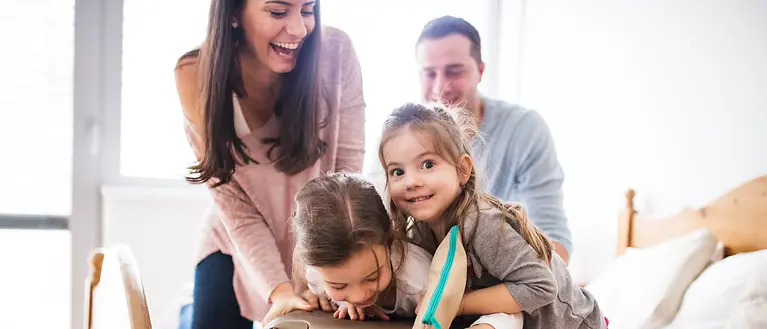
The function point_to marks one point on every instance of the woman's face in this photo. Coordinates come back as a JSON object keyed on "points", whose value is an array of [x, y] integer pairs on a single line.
{"points": [[275, 30]]}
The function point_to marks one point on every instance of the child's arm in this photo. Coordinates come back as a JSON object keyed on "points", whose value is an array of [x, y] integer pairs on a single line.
{"points": [[495, 299], [528, 281], [499, 321]]}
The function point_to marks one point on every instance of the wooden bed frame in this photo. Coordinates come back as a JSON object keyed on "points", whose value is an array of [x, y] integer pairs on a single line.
{"points": [[738, 219], [113, 289]]}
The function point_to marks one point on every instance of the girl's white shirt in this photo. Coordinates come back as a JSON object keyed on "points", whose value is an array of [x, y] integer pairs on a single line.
{"points": [[412, 279], [412, 282]]}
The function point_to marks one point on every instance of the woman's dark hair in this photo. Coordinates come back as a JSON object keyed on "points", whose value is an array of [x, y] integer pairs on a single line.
{"points": [[451, 131], [338, 215], [297, 106]]}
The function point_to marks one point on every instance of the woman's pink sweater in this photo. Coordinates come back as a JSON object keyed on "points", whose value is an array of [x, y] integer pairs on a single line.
{"points": [[250, 219]]}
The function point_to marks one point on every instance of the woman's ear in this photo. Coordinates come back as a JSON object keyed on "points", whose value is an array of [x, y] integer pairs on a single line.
{"points": [[466, 165]]}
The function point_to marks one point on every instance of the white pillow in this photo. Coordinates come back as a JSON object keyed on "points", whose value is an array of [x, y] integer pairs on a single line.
{"points": [[642, 289], [712, 298], [751, 311]]}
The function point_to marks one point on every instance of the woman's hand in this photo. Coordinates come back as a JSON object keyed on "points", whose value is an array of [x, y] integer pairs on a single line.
{"points": [[356, 313], [285, 301]]}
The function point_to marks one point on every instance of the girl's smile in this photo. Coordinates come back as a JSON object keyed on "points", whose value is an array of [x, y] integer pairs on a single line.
{"points": [[421, 182], [420, 199]]}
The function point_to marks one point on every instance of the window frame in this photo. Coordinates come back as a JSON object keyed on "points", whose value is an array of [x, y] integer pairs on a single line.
{"points": [[33, 222], [85, 222]]}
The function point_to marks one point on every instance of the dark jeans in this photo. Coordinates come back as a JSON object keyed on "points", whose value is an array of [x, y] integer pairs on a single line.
{"points": [[215, 306]]}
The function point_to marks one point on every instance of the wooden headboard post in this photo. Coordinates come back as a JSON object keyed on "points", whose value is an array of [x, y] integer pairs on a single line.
{"points": [[96, 262], [737, 219], [115, 267], [626, 223]]}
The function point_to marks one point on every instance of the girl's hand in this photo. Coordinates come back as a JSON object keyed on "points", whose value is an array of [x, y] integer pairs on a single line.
{"points": [[356, 313], [285, 301], [319, 301]]}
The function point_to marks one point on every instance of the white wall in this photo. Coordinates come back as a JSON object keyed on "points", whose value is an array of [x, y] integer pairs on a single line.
{"points": [[667, 97], [680, 86], [163, 227]]}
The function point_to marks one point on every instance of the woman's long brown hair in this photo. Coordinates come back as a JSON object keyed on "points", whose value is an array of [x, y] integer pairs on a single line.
{"points": [[299, 145], [451, 131]]}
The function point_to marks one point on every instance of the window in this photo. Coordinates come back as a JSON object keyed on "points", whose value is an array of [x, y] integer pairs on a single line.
{"points": [[155, 34], [36, 106], [36, 283]]}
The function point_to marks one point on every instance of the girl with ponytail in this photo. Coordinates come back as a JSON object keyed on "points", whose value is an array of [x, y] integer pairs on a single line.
{"points": [[432, 185]]}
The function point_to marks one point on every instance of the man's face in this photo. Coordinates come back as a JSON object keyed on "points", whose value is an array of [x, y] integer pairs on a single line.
{"points": [[449, 73]]}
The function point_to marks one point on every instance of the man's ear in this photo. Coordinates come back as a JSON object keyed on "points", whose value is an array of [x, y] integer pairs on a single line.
{"points": [[466, 165], [481, 70]]}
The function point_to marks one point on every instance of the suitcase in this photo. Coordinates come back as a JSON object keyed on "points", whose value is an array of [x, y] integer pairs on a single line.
{"points": [[325, 320]]}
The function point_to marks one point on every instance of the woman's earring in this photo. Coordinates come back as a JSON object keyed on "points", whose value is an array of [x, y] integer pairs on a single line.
{"points": [[234, 24]]}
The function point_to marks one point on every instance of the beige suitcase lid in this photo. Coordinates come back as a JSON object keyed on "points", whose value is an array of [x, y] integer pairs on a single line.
{"points": [[325, 320]]}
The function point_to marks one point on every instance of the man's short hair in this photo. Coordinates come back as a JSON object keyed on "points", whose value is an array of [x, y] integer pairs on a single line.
{"points": [[446, 25]]}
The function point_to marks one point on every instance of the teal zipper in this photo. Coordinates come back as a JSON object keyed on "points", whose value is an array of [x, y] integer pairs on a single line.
{"points": [[428, 317]]}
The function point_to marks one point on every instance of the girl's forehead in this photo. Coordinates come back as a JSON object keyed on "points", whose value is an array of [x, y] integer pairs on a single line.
{"points": [[361, 264], [409, 142]]}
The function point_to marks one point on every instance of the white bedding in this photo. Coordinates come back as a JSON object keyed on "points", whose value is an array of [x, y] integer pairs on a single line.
{"points": [[676, 285], [643, 287], [712, 299]]}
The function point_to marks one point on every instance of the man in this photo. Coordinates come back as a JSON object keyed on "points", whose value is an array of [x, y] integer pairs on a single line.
{"points": [[516, 152]]}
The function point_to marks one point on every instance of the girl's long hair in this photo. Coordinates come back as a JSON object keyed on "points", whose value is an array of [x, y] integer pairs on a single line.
{"points": [[338, 215], [451, 131]]}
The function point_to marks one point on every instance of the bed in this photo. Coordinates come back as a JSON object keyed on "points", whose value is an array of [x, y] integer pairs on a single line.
{"points": [[702, 268]]}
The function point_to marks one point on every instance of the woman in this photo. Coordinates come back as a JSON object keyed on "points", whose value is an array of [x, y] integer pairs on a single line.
{"points": [[265, 98]]}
